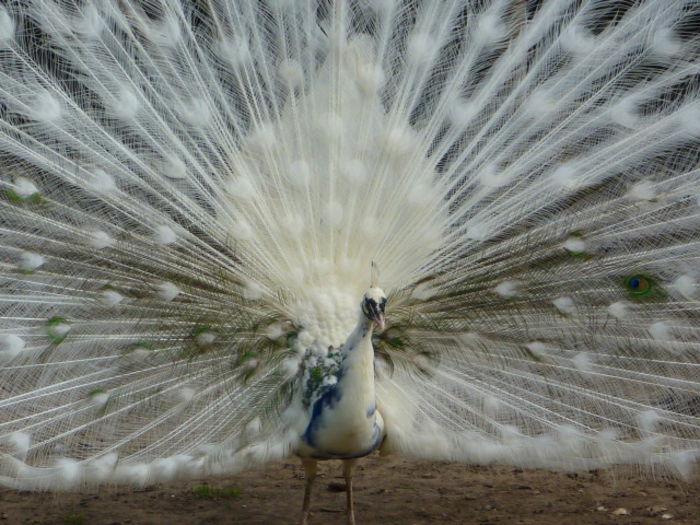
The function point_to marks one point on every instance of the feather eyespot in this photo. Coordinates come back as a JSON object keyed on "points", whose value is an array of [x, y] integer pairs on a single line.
{"points": [[638, 285]]}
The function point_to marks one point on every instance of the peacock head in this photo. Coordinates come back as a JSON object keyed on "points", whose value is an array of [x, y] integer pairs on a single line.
{"points": [[373, 305]]}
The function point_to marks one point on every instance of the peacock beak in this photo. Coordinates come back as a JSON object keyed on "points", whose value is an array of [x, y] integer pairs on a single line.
{"points": [[379, 319]]}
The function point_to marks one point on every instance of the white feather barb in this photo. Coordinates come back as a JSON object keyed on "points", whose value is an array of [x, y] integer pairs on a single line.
{"points": [[192, 199]]}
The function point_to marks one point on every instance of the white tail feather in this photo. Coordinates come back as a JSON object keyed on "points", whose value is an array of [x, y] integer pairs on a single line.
{"points": [[192, 197]]}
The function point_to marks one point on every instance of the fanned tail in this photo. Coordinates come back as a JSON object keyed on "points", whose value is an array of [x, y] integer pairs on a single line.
{"points": [[191, 195]]}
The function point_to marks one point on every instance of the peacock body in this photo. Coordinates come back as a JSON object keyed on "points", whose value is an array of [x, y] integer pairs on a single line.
{"points": [[194, 197]]}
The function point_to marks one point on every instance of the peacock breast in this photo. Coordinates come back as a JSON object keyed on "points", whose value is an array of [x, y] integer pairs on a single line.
{"points": [[344, 422]]}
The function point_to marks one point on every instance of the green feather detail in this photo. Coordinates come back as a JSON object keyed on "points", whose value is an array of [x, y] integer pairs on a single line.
{"points": [[641, 287], [55, 337]]}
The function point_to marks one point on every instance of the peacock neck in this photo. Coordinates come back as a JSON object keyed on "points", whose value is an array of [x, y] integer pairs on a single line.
{"points": [[357, 368], [358, 349]]}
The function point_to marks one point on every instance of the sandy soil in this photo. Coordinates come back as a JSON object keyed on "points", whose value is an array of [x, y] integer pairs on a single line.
{"points": [[388, 490]]}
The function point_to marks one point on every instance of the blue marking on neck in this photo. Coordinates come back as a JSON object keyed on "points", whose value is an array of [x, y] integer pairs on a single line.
{"points": [[327, 401], [371, 410]]}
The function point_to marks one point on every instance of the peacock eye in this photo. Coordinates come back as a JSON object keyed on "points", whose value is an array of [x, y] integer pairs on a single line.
{"points": [[638, 284]]}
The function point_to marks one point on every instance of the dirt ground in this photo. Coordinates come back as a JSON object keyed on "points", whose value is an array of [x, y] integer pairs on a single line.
{"points": [[387, 491]]}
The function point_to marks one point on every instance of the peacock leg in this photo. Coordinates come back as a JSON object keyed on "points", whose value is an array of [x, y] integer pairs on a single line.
{"points": [[347, 472], [310, 475]]}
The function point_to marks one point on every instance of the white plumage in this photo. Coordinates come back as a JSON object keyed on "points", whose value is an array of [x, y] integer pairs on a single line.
{"points": [[193, 196]]}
